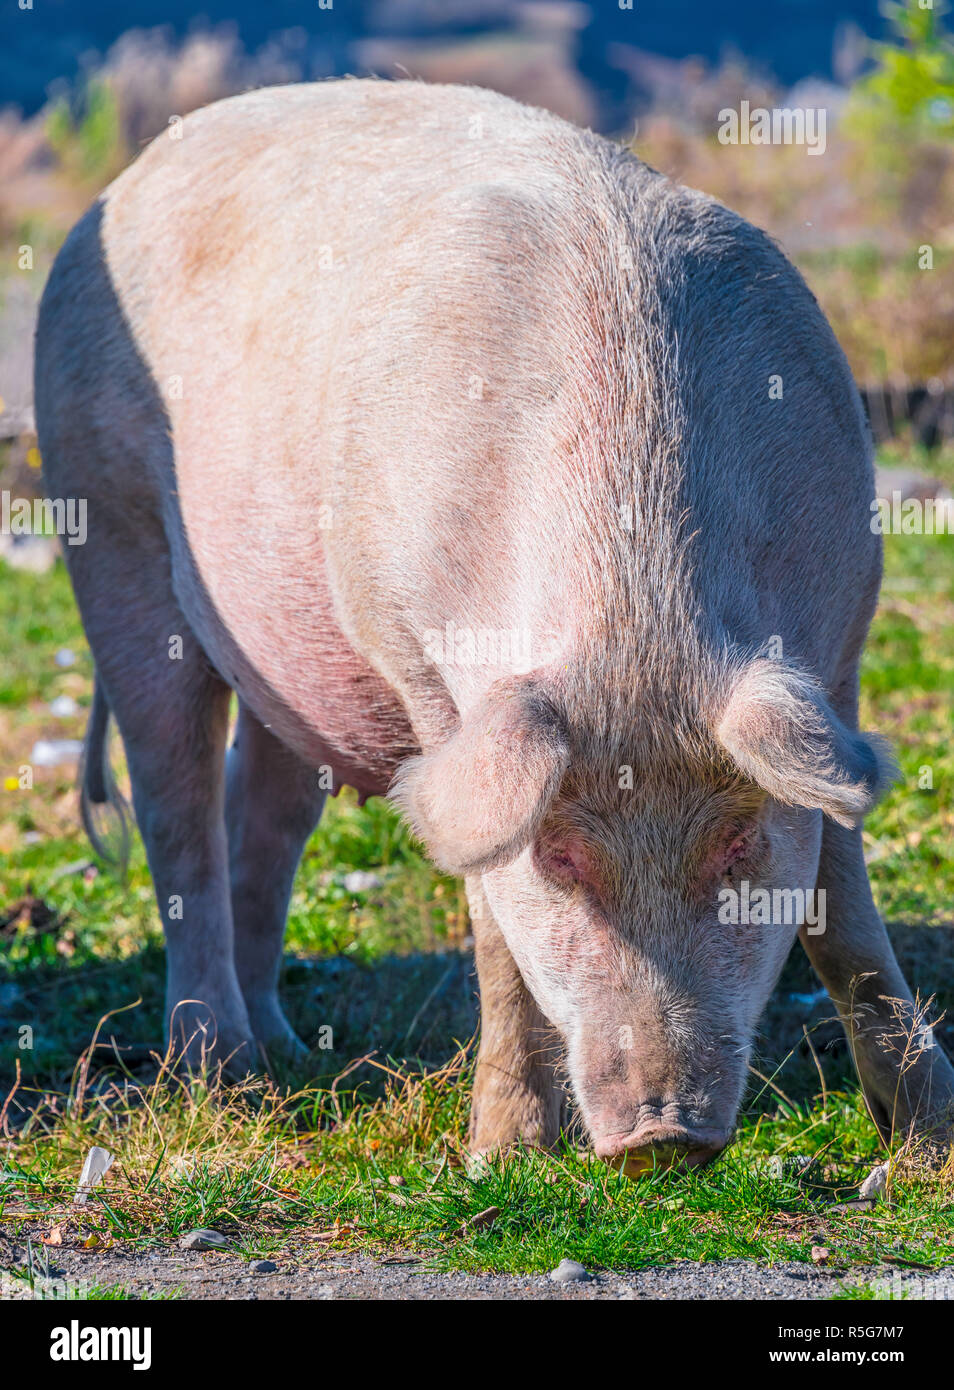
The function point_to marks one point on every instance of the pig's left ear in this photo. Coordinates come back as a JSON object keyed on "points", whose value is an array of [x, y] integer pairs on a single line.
{"points": [[780, 730], [477, 801]]}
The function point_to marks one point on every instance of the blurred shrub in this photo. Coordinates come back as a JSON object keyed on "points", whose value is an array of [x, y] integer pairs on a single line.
{"points": [[856, 220], [910, 94], [88, 142], [870, 223]]}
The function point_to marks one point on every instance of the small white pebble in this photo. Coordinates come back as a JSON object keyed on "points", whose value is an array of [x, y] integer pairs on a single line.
{"points": [[876, 1182], [55, 752], [64, 707], [358, 881], [569, 1272]]}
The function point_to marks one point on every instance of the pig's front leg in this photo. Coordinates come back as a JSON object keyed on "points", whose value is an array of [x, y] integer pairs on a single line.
{"points": [[517, 1096], [907, 1080]]}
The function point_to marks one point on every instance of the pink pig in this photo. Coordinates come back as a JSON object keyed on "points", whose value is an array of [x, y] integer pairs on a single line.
{"points": [[486, 466]]}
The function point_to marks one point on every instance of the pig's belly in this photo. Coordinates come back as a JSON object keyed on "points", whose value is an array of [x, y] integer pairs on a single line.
{"points": [[350, 722], [274, 639]]}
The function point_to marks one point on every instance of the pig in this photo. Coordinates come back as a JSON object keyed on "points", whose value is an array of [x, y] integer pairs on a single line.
{"points": [[494, 472]]}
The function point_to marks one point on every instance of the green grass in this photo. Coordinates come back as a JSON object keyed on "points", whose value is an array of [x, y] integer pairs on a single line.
{"points": [[305, 1168], [285, 1175]]}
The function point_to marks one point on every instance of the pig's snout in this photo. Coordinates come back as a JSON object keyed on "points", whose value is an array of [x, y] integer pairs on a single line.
{"points": [[652, 1147]]}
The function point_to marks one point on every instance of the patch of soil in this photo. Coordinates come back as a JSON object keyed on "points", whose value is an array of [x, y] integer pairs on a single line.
{"points": [[194, 1275]]}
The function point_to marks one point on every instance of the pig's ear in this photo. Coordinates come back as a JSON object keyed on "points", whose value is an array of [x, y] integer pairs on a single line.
{"points": [[477, 801], [780, 731]]}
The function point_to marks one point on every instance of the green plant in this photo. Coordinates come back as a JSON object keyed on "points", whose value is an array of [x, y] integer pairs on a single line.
{"points": [[88, 140], [911, 90]]}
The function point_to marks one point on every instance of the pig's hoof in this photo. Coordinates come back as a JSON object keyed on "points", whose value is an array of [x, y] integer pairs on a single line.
{"points": [[205, 1037], [478, 1163], [275, 1035], [481, 1158], [234, 1057], [284, 1049]]}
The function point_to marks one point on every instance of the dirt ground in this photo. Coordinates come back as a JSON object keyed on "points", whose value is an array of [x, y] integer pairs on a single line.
{"points": [[195, 1275]]}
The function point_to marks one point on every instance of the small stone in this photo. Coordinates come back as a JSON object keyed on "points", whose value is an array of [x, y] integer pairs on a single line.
{"points": [[264, 1267], [203, 1240], [397, 1181], [476, 1223], [820, 1254], [65, 657], [56, 752], [360, 882], [485, 1218], [569, 1272], [875, 1183], [34, 554], [64, 707]]}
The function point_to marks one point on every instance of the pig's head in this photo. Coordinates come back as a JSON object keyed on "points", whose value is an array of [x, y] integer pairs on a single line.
{"points": [[615, 878]]}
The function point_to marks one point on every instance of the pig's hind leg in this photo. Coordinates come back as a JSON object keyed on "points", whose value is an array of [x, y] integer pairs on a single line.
{"points": [[273, 803], [907, 1080], [517, 1092], [172, 712]]}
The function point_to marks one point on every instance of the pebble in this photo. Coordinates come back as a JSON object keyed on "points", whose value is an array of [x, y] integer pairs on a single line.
{"points": [[65, 657], [55, 752], [35, 554], [875, 1183], [358, 881], [264, 1267], [569, 1272], [64, 707], [203, 1240]]}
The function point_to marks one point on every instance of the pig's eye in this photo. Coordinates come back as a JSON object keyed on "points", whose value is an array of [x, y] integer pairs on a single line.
{"points": [[566, 860], [737, 852]]}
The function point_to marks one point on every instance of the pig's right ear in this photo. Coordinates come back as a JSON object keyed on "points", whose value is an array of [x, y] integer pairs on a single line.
{"points": [[478, 801], [781, 732]]}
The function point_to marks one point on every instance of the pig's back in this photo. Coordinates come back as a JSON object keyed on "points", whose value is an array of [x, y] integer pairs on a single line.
{"points": [[370, 297], [524, 378]]}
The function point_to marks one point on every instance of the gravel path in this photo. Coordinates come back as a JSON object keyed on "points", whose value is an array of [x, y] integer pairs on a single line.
{"points": [[211, 1275]]}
